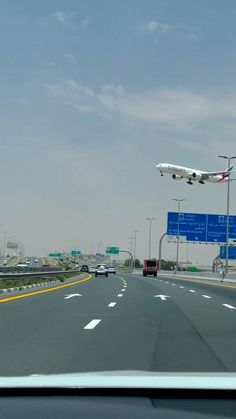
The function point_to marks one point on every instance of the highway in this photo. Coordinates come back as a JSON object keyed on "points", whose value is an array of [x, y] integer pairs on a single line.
{"points": [[123, 322]]}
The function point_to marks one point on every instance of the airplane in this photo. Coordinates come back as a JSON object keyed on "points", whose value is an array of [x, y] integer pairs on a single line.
{"points": [[181, 172]]}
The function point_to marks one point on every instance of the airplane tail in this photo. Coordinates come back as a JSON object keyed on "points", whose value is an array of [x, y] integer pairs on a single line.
{"points": [[229, 169]]}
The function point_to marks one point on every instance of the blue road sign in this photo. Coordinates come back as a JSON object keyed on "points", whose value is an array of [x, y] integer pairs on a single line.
{"points": [[231, 252], [208, 228], [216, 231]]}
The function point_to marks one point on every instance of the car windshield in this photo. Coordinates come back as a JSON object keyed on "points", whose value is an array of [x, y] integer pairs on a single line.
{"points": [[118, 121]]}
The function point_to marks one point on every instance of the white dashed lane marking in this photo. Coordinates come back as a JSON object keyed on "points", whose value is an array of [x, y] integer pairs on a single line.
{"points": [[111, 304], [228, 306], [203, 295], [123, 289], [119, 295], [92, 324]]}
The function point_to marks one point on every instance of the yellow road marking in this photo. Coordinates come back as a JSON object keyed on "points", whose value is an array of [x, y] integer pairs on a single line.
{"points": [[201, 281], [30, 294]]}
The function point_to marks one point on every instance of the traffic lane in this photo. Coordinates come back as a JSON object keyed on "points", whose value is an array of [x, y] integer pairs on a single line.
{"points": [[214, 319], [142, 332], [45, 334], [44, 289], [224, 292]]}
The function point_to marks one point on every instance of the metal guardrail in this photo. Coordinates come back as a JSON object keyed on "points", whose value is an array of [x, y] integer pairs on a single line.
{"points": [[19, 269], [45, 273]]}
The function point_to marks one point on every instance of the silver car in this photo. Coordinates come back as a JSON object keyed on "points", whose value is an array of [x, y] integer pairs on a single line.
{"points": [[111, 270], [92, 269], [101, 269]]}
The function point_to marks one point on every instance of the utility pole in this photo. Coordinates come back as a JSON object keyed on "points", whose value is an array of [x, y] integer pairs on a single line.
{"points": [[177, 247], [135, 238], [150, 219], [227, 212]]}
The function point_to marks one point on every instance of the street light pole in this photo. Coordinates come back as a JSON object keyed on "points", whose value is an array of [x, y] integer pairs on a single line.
{"points": [[177, 247], [150, 235], [135, 233], [4, 243], [131, 239], [227, 212]]}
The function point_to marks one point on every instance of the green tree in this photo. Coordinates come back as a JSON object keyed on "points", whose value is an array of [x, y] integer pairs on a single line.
{"points": [[127, 262], [137, 264]]}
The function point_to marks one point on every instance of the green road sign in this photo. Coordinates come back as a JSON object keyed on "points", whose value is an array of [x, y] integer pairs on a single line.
{"points": [[75, 252], [112, 250], [55, 255]]}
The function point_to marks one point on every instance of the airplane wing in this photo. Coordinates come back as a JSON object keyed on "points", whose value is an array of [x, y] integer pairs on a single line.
{"points": [[223, 173]]}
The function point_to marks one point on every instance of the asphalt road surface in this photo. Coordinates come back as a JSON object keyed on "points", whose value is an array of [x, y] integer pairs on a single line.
{"points": [[123, 322]]}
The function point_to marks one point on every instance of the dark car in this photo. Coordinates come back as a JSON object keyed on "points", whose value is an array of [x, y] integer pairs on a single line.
{"points": [[84, 268]]}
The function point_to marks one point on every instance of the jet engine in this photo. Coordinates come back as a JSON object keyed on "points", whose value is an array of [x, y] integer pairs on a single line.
{"points": [[176, 177]]}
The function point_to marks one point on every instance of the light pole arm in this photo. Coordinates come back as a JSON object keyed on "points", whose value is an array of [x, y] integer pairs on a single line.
{"points": [[129, 253], [160, 250]]}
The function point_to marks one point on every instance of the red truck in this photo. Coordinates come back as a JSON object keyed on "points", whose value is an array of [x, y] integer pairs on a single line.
{"points": [[150, 267]]}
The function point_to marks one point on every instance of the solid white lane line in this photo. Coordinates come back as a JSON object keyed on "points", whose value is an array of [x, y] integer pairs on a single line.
{"points": [[206, 296], [192, 291], [111, 305], [119, 295], [92, 324], [181, 286], [228, 306]]}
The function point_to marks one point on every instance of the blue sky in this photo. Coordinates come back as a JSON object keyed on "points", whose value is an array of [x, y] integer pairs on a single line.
{"points": [[93, 95]]}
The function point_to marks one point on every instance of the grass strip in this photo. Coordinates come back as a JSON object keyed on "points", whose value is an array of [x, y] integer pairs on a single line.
{"points": [[17, 283]]}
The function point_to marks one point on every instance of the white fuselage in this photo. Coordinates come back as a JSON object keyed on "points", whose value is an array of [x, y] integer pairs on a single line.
{"points": [[181, 172]]}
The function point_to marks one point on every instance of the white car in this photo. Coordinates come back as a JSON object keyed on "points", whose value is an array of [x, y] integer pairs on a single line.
{"points": [[101, 269], [111, 270]]}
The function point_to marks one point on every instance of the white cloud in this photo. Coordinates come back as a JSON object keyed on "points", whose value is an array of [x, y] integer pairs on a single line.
{"points": [[69, 57], [73, 94], [154, 26], [84, 23], [61, 17], [168, 108]]}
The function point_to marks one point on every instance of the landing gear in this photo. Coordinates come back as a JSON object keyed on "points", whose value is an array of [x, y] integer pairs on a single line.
{"points": [[161, 173], [190, 182], [201, 181]]}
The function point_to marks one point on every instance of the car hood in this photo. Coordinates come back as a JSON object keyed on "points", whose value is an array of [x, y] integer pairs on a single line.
{"points": [[125, 379]]}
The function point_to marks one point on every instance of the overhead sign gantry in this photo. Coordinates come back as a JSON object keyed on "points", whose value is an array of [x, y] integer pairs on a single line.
{"points": [[205, 228]]}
